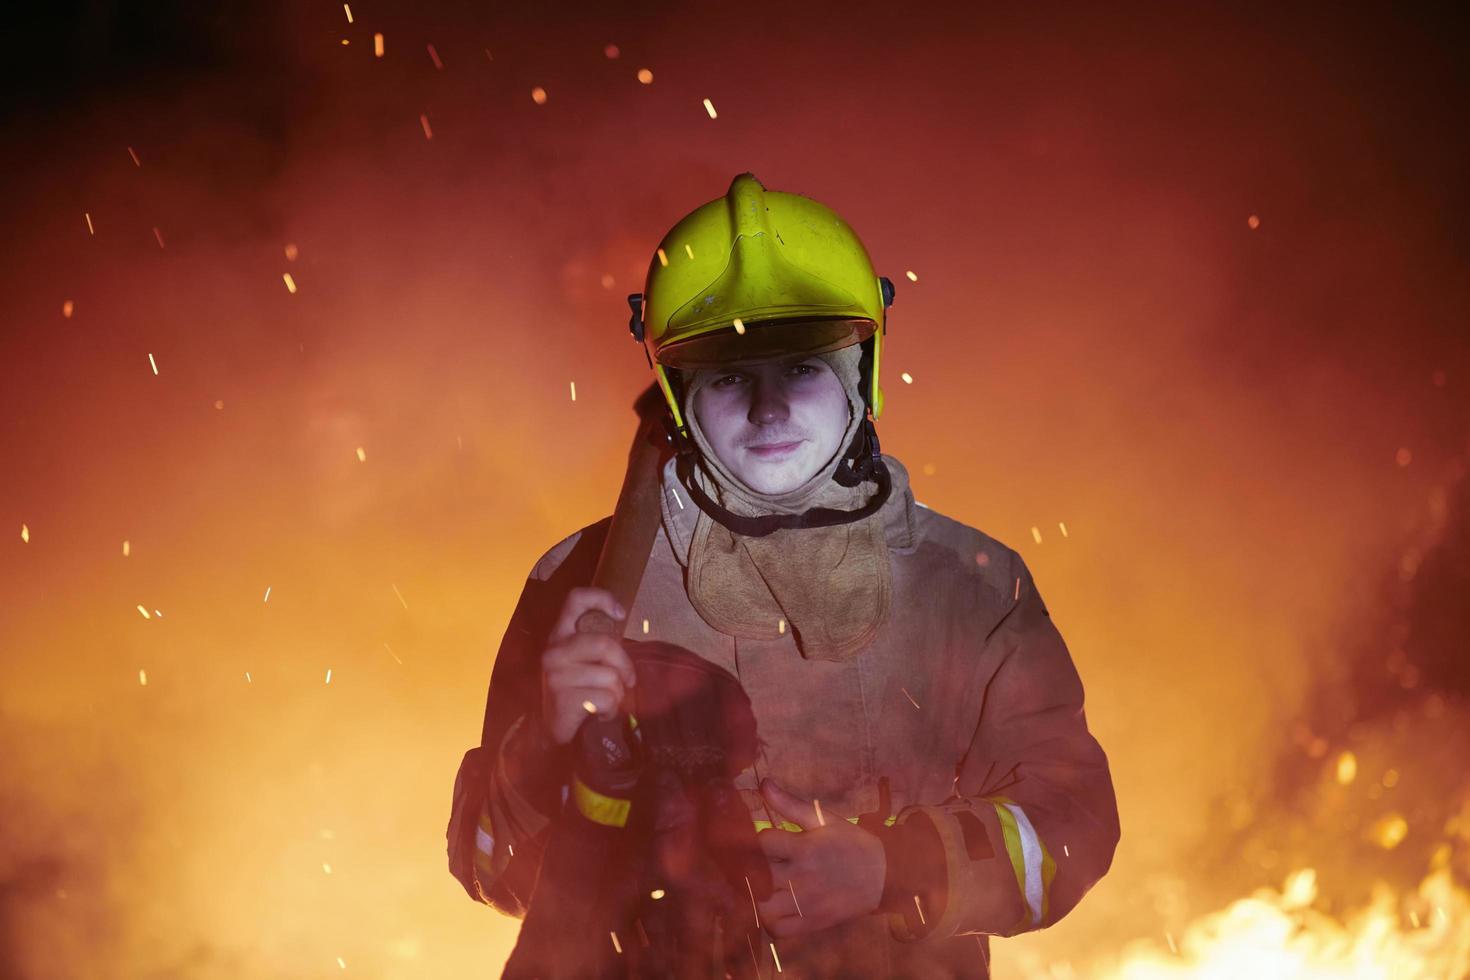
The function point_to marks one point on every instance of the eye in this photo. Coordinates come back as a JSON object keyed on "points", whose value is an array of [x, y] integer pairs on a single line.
{"points": [[724, 381], [805, 370]]}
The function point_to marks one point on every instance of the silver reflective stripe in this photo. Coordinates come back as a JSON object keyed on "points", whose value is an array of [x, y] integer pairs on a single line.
{"points": [[1031, 851], [483, 841]]}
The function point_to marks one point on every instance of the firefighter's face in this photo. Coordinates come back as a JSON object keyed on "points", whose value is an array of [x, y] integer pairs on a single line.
{"points": [[775, 423]]}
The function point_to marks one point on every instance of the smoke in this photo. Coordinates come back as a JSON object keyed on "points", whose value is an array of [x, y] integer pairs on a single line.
{"points": [[1217, 411]]}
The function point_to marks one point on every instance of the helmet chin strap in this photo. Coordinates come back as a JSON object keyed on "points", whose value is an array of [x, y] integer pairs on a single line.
{"points": [[862, 461]]}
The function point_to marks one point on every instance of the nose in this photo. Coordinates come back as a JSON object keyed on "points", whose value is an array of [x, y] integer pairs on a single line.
{"points": [[767, 403]]}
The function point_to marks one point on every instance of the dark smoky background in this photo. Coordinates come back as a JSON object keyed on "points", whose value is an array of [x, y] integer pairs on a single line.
{"points": [[1188, 282]]}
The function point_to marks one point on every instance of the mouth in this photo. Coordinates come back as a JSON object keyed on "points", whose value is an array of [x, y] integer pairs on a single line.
{"points": [[774, 450]]}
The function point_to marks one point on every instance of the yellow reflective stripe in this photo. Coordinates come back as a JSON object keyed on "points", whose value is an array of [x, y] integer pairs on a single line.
{"points": [[788, 825], [606, 810], [1030, 860]]}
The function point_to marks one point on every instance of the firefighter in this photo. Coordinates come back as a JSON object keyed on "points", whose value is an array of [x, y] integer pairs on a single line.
{"points": [[925, 777]]}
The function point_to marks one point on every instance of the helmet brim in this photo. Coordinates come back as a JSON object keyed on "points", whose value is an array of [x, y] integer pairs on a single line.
{"points": [[765, 340]]}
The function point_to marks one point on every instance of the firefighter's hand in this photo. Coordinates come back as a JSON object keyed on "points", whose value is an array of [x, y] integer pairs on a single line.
{"points": [[581, 669], [823, 875]]}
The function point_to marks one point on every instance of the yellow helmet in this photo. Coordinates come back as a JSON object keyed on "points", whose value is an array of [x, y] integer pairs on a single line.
{"points": [[757, 274]]}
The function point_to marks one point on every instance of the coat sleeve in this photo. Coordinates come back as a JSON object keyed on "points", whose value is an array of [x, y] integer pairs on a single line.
{"points": [[511, 785], [1033, 823]]}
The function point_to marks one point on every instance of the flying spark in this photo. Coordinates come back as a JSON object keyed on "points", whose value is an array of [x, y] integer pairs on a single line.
{"points": [[434, 57], [326, 868], [616, 945], [347, 9], [152, 362], [127, 549], [428, 130], [247, 678], [25, 535], [709, 107], [677, 499], [913, 276], [361, 455], [574, 390], [329, 676], [391, 653], [645, 627], [777, 958], [920, 909], [1018, 588], [751, 892], [158, 235], [591, 709], [656, 894], [1169, 938], [663, 259], [1063, 526], [1036, 533], [817, 805], [781, 626], [267, 594], [377, 45], [688, 250], [740, 326], [90, 229], [67, 308], [142, 677], [793, 898], [341, 962], [290, 283], [134, 154], [399, 595], [908, 379], [910, 697]]}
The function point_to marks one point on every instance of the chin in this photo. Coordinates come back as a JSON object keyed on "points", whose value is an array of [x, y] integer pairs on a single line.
{"points": [[777, 478]]}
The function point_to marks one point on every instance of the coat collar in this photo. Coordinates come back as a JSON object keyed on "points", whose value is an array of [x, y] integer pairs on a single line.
{"points": [[680, 514]]}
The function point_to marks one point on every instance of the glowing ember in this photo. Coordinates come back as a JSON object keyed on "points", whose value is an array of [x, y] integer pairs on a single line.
{"points": [[1347, 768], [645, 627], [424, 122], [434, 57], [292, 251], [656, 894], [781, 626], [127, 549], [25, 535], [908, 379], [290, 283], [377, 45], [574, 389], [538, 95], [611, 52], [1403, 457], [1063, 526], [1253, 222], [589, 707], [645, 76], [329, 676], [739, 326], [142, 677], [361, 455], [709, 107], [1036, 533], [1389, 832], [913, 276]]}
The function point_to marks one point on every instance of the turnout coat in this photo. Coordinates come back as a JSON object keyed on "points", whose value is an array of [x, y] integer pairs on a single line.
{"points": [[966, 700]]}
